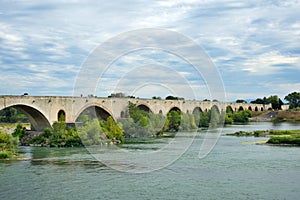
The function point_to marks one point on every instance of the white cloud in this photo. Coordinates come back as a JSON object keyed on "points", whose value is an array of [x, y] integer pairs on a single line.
{"points": [[269, 63], [50, 39]]}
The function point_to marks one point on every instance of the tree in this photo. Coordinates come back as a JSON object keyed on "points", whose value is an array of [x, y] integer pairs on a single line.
{"points": [[155, 97], [241, 116], [174, 98], [204, 119], [241, 101], [19, 132], [112, 130], [174, 118], [137, 114], [260, 101], [275, 101], [214, 117], [91, 133], [293, 99], [12, 115], [8, 145]]}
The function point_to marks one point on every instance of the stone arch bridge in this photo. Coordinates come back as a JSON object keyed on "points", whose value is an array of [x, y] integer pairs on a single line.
{"points": [[42, 111]]}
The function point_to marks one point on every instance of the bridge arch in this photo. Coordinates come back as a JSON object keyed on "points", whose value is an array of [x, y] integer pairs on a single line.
{"points": [[174, 108], [197, 110], [37, 119], [229, 109], [215, 107], [175, 119], [144, 108], [241, 108], [250, 108], [61, 115], [94, 111], [122, 114]]}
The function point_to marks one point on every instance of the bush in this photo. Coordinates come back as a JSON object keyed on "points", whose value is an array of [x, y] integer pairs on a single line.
{"points": [[241, 116], [19, 132], [8, 145], [5, 154], [293, 140]]}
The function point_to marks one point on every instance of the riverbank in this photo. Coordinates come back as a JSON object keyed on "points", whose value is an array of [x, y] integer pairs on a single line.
{"points": [[276, 116], [10, 127], [277, 137]]}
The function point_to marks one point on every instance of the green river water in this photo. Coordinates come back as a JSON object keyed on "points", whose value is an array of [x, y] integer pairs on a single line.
{"points": [[235, 169]]}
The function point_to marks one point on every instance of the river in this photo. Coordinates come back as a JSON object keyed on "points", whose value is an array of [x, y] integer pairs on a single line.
{"points": [[235, 169]]}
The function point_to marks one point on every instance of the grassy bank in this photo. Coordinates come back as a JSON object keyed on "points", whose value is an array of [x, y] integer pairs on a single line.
{"points": [[288, 115], [276, 116], [278, 137]]}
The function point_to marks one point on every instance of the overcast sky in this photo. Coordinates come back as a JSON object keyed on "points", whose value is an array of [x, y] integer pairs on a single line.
{"points": [[255, 46]]}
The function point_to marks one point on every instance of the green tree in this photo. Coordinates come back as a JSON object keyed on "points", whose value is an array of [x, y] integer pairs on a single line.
{"points": [[204, 119], [59, 127], [91, 133], [12, 115], [112, 130], [214, 117], [228, 119], [260, 101], [155, 97], [174, 118], [275, 101], [241, 116], [137, 114], [240, 101], [174, 98], [19, 132], [156, 122], [8, 145], [293, 99], [59, 136]]}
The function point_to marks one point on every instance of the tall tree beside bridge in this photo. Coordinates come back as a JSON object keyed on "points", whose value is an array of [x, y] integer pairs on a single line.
{"points": [[293, 99]]}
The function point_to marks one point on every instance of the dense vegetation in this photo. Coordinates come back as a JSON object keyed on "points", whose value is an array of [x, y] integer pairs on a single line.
{"points": [[58, 136], [8, 145], [12, 115], [238, 117], [274, 100], [96, 132], [139, 124], [279, 137], [286, 140], [92, 132], [174, 98], [293, 99]]}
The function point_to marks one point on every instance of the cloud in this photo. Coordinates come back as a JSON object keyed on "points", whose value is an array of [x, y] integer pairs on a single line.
{"points": [[270, 63], [251, 42]]}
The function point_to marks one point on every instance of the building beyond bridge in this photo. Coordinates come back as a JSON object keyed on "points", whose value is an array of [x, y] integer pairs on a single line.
{"points": [[43, 111]]}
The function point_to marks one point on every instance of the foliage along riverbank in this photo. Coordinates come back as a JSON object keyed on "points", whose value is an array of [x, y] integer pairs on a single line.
{"points": [[277, 137], [8, 146]]}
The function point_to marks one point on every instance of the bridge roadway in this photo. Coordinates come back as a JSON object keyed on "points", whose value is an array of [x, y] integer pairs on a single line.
{"points": [[42, 111]]}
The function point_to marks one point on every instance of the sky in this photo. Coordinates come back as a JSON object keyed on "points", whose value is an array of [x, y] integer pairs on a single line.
{"points": [[253, 45]]}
